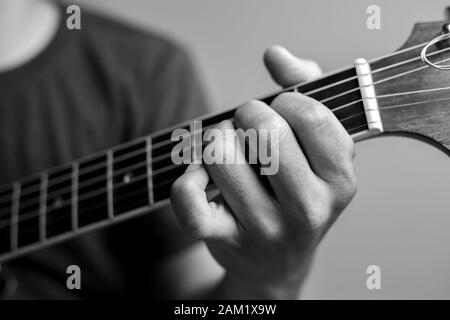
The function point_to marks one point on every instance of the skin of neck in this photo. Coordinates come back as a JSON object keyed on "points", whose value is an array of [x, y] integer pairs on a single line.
{"points": [[26, 28]]}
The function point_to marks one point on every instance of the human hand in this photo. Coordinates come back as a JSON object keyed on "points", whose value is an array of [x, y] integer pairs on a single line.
{"points": [[265, 235]]}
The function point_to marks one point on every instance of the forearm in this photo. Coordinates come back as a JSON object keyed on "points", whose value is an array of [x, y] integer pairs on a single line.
{"points": [[236, 287]]}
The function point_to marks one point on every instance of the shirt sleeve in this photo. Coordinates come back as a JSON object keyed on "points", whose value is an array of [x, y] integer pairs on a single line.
{"points": [[175, 93]]}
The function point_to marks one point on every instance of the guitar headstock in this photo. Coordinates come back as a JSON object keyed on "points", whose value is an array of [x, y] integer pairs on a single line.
{"points": [[414, 97]]}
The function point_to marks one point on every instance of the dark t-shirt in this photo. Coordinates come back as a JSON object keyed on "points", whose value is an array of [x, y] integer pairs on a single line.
{"points": [[91, 89]]}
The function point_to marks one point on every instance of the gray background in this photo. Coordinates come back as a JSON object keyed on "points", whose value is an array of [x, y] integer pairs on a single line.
{"points": [[400, 218]]}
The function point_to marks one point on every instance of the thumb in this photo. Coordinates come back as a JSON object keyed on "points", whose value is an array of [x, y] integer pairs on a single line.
{"points": [[286, 69]]}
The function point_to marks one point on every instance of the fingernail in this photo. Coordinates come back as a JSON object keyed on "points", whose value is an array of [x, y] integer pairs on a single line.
{"points": [[193, 167]]}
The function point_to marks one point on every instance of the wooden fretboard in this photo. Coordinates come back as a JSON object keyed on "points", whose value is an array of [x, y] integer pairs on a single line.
{"points": [[133, 178]]}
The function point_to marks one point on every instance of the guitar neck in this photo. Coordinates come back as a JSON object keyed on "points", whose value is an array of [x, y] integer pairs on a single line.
{"points": [[135, 177]]}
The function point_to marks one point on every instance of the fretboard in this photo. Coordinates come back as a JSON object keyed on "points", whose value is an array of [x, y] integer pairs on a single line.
{"points": [[135, 177]]}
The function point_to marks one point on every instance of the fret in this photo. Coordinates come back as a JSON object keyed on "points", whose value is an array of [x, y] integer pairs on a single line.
{"points": [[163, 144], [92, 190], [141, 172], [15, 216], [6, 196], [136, 175], [110, 184], [74, 196], [58, 202], [162, 148], [149, 170], [344, 87], [161, 159], [131, 181], [28, 214], [161, 137], [195, 129], [43, 207]]}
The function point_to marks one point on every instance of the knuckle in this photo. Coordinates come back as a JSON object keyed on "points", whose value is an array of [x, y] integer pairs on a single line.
{"points": [[193, 222], [346, 145], [255, 114], [312, 212], [350, 146], [318, 210], [291, 234], [245, 112], [273, 231], [316, 218], [307, 110], [225, 145], [177, 188], [196, 229], [351, 184], [272, 122], [194, 225], [344, 171], [314, 114], [179, 191], [346, 189], [283, 99]]}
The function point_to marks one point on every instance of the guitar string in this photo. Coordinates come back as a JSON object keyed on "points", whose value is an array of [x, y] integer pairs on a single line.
{"points": [[101, 191], [306, 93], [91, 181], [67, 178], [170, 168], [98, 192], [415, 103], [409, 104], [25, 230], [383, 69], [333, 84], [3, 225], [399, 52], [103, 166], [66, 191]]}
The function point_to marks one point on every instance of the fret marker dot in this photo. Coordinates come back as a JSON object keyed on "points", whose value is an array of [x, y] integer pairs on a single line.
{"points": [[57, 203], [127, 178]]}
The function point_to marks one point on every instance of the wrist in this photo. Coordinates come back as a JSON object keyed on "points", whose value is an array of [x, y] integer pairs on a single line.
{"points": [[237, 286]]}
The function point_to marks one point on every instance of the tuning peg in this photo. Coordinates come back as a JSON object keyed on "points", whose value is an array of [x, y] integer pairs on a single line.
{"points": [[445, 30], [447, 13]]}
